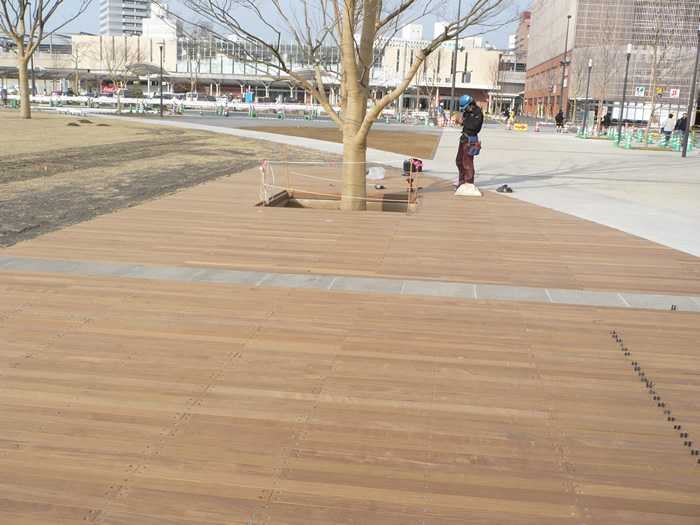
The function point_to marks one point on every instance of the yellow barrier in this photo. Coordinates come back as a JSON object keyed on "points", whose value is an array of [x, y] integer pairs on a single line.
{"points": [[520, 127]]}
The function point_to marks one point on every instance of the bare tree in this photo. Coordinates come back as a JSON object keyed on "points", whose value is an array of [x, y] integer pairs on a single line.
{"points": [[79, 51], [495, 78], [578, 75], [359, 29], [24, 22], [198, 46], [121, 60], [664, 53], [426, 80], [608, 62], [194, 62]]}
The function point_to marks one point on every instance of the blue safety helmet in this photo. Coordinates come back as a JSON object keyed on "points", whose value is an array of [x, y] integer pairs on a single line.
{"points": [[465, 101]]}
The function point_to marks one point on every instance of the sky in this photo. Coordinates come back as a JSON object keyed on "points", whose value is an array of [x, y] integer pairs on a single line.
{"points": [[89, 21]]}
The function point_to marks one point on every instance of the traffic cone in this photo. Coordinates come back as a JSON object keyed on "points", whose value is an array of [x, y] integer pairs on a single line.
{"points": [[508, 126], [537, 126], [585, 133], [566, 128], [628, 143]]}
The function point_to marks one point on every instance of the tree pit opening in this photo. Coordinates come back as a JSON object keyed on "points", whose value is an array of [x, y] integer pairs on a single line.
{"points": [[381, 202]]}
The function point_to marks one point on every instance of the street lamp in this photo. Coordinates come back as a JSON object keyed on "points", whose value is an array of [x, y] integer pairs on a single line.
{"points": [[691, 103], [588, 83], [624, 91], [563, 66], [454, 61], [160, 45]]}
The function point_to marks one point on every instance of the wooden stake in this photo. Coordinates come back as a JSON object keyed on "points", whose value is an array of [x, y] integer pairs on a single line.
{"points": [[286, 166], [410, 186]]}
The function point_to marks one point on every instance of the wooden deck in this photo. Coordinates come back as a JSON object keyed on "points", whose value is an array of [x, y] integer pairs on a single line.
{"points": [[134, 401]]}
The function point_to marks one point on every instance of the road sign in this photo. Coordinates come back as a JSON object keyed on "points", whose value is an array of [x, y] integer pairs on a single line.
{"points": [[674, 93], [639, 91], [520, 127]]}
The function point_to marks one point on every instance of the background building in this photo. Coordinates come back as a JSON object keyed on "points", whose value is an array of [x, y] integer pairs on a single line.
{"points": [[123, 17], [128, 52], [663, 35]]}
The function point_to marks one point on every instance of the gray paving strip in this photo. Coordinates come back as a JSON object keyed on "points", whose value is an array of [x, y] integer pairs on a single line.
{"points": [[355, 284]]}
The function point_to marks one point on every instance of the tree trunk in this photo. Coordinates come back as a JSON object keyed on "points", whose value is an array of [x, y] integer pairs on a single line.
{"points": [[25, 110], [355, 153], [599, 117], [647, 131]]}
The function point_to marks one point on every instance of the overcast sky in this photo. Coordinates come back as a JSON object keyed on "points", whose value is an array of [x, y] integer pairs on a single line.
{"points": [[89, 21]]}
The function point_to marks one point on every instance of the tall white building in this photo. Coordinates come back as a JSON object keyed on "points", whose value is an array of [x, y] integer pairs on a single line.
{"points": [[159, 26], [412, 32], [123, 17]]}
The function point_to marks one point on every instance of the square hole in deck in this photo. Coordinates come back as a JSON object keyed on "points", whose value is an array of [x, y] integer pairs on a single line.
{"points": [[392, 202]]}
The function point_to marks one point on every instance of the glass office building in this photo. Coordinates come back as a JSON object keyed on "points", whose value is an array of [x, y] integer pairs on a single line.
{"points": [[663, 35]]}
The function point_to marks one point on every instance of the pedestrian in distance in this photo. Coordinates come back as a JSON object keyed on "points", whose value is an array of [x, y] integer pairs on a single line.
{"points": [[669, 126], [471, 121], [559, 119], [3, 97], [680, 125]]}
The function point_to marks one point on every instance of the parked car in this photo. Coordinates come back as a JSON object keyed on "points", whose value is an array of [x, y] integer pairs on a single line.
{"points": [[291, 100], [89, 94]]}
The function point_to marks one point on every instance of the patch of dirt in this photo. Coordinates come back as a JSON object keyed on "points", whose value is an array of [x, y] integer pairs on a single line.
{"points": [[53, 175], [412, 144]]}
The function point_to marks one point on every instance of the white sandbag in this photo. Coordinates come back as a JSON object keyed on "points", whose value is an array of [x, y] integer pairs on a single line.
{"points": [[468, 190]]}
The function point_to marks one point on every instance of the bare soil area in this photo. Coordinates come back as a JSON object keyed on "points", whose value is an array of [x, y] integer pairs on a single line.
{"points": [[56, 171], [412, 144]]}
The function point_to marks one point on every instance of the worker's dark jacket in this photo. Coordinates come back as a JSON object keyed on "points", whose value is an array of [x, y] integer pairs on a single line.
{"points": [[471, 123]]}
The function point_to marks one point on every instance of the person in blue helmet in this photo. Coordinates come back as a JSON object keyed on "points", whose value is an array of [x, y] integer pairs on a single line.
{"points": [[471, 121]]}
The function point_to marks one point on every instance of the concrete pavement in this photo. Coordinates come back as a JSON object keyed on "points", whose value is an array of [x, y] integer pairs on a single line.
{"points": [[654, 195]]}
